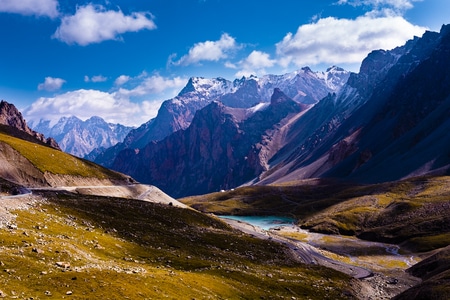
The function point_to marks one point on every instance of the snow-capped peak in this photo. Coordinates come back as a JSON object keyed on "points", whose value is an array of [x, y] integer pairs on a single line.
{"points": [[207, 87]]}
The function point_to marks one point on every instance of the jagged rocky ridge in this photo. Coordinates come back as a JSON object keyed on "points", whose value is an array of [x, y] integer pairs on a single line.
{"points": [[79, 137], [388, 122], [10, 116]]}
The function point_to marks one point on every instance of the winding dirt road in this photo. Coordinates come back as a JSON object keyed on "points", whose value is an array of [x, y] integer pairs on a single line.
{"points": [[302, 251]]}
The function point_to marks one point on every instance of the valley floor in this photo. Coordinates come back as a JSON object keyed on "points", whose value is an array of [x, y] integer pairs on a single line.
{"points": [[379, 267]]}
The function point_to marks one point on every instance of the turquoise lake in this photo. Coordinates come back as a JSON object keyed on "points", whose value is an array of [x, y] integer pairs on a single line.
{"points": [[264, 222]]}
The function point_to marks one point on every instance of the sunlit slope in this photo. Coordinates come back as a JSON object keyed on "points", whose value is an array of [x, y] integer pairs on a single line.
{"points": [[110, 248], [27, 163]]}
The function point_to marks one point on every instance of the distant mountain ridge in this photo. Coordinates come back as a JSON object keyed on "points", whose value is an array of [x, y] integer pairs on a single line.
{"points": [[79, 137], [304, 86]]}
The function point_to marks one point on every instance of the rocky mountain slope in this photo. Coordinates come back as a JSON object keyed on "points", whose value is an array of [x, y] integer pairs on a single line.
{"points": [[11, 117], [79, 137], [393, 126], [387, 122], [304, 86], [27, 159], [222, 148]]}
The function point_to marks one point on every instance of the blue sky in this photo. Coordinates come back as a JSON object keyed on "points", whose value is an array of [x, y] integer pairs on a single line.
{"points": [[119, 59]]}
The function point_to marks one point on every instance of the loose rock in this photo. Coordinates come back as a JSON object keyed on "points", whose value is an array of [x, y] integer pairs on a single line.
{"points": [[62, 264]]}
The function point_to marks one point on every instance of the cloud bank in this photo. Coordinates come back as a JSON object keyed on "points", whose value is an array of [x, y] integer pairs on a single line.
{"points": [[51, 84], [94, 24], [208, 51], [83, 104], [41, 8], [336, 41], [323, 42]]}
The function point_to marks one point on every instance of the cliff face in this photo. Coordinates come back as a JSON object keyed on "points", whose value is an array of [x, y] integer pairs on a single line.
{"points": [[12, 117], [388, 122]]}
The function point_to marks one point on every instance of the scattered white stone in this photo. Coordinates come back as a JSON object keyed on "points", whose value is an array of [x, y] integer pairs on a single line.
{"points": [[62, 264]]}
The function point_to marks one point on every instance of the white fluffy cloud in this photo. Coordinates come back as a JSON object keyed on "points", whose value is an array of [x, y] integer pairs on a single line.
{"points": [[337, 41], [121, 80], [51, 84], [255, 64], [208, 51], [47, 8], [94, 24], [155, 84]]}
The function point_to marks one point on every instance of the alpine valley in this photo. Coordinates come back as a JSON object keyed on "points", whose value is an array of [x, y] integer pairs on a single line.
{"points": [[360, 162]]}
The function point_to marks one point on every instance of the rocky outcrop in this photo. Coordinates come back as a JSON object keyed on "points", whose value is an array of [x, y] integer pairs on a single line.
{"points": [[12, 117]]}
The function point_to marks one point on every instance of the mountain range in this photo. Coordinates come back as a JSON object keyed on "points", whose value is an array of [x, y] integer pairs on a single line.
{"points": [[387, 122], [305, 86], [79, 137]]}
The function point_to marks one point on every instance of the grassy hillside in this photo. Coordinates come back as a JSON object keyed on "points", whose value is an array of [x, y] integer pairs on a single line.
{"points": [[50, 160], [111, 248], [296, 199], [415, 212]]}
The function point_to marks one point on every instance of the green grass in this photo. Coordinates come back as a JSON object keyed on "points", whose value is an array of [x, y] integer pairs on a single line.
{"points": [[119, 249], [428, 243], [298, 201], [50, 160]]}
